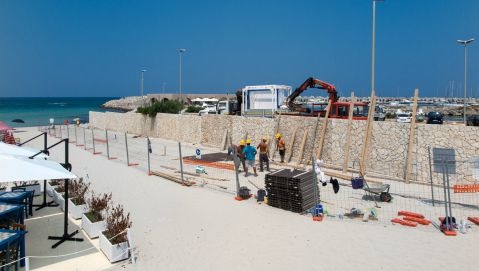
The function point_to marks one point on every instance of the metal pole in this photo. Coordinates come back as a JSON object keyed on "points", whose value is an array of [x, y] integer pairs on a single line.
{"points": [[430, 173], [93, 140], [181, 162], [126, 146], [448, 191], [373, 45], [84, 137], [68, 132], [27, 264], [237, 165], [465, 81], [148, 151], [180, 77], [76, 136], [107, 145], [142, 72], [445, 196]]}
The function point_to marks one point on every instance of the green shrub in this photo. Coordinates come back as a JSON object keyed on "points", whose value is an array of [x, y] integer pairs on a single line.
{"points": [[171, 107], [193, 109]]}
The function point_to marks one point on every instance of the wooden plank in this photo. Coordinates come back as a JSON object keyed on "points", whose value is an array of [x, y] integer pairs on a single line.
{"points": [[301, 148], [347, 145], [314, 137], [367, 136], [412, 129], [289, 149], [274, 136], [323, 131]]}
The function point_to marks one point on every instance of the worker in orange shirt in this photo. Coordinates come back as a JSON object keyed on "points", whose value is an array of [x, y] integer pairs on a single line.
{"points": [[280, 146]]}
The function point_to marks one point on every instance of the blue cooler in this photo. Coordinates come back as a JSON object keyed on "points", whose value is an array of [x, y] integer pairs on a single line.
{"points": [[357, 182]]}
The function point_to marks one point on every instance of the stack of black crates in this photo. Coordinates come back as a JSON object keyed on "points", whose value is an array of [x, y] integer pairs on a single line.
{"points": [[292, 190]]}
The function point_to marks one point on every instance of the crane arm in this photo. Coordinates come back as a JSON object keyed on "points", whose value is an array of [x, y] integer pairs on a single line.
{"points": [[312, 83]]}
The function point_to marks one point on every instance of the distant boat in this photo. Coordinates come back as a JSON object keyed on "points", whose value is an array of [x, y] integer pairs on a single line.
{"points": [[18, 121]]}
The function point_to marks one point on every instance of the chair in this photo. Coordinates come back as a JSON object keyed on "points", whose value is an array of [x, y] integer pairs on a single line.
{"points": [[10, 255], [29, 203]]}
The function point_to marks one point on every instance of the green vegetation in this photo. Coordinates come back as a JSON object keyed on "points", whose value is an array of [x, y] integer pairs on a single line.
{"points": [[193, 109], [390, 115], [171, 107]]}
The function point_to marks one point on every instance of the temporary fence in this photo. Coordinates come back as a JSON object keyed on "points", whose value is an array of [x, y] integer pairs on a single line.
{"points": [[189, 164]]}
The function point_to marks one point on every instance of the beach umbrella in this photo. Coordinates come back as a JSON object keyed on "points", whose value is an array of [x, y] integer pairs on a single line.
{"points": [[4, 127], [18, 121], [21, 168], [16, 168], [20, 151]]}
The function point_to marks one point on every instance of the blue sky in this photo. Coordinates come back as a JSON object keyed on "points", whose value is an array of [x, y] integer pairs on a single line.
{"points": [[97, 48]]}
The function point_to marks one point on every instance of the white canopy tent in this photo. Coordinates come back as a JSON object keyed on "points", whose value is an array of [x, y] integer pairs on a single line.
{"points": [[21, 151]]}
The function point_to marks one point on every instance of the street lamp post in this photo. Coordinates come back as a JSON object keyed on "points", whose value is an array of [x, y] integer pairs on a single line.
{"points": [[181, 51], [142, 80], [465, 43], [373, 45]]}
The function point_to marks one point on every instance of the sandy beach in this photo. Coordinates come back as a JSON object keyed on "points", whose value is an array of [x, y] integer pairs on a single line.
{"points": [[192, 228]]}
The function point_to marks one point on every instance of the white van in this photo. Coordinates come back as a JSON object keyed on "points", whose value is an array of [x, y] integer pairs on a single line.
{"points": [[403, 117]]}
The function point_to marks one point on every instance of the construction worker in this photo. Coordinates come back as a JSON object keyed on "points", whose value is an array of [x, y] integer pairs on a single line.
{"points": [[250, 153], [281, 146], [263, 154], [240, 155]]}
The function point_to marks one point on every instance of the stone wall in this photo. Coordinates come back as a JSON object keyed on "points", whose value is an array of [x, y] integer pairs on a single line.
{"points": [[388, 145]]}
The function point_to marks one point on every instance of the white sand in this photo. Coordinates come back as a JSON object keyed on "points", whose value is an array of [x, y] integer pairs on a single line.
{"points": [[192, 228]]}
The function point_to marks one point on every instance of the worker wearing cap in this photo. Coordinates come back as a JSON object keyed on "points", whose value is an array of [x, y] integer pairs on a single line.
{"points": [[281, 146], [250, 153], [241, 157], [263, 154]]}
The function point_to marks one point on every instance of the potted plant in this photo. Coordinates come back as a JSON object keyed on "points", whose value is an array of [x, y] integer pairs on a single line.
{"points": [[51, 185], [76, 201], [29, 186], [114, 241], [93, 222]]}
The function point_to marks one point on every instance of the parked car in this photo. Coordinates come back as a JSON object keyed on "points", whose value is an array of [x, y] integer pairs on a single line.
{"points": [[403, 117], [472, 120], [435, 118]]}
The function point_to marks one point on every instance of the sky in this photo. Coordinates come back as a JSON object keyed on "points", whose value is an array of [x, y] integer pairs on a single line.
{"points": [[98, 48]]}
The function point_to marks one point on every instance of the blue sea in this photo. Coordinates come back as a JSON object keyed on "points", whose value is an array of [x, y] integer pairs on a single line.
{"points": [[38, 111]]}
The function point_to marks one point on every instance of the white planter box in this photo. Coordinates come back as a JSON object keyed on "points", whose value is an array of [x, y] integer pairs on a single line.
{"points": [[50, 189], [92, 229], [76, 211], [114, 253], [36, 188], [58, 198]]}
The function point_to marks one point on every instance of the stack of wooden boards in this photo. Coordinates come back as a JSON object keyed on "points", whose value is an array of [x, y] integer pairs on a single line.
{"points": [[292, 190]]}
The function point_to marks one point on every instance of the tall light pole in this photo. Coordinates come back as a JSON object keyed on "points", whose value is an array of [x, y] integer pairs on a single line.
{"points": [[181, 51], [465, 43], [373, 45], [142, 80]]}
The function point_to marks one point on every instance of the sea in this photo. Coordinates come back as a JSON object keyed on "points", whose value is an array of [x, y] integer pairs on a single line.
{"points": [[38, 111]]}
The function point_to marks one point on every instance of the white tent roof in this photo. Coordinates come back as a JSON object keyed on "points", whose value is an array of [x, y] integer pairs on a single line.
{"points": [[22, 168], [21, 151]]}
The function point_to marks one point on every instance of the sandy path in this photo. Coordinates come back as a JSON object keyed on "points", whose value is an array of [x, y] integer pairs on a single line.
{"points": [[181, 228]]}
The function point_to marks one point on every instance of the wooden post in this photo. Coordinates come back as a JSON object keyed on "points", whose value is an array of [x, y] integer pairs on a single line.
{"points": [[274, 137], [412, 129], [347, 145], [369, 127], [289, 150], [323, 131], [301, 148], [224, 141]]}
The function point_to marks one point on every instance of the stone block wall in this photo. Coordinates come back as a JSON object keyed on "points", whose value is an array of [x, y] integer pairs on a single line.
{"points": [[388, 146]]}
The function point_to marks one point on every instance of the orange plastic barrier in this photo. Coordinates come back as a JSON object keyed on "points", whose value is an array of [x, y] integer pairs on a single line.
{"points": [[474, 220], [403, 222], [407, 213], [421, 221], [466, 188]]}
